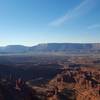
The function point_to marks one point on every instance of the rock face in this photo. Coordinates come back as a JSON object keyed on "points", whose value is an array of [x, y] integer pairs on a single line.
{"points": [[70, 84], [53, 48], [78, 79], [84, 87], [67, 48]]}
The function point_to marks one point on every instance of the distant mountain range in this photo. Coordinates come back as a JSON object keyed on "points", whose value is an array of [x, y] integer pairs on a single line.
{"points": [[53, 48]]}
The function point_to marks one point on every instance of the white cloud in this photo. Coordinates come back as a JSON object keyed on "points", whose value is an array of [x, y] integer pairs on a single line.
{"points": [[84, 7], [94, 26]]}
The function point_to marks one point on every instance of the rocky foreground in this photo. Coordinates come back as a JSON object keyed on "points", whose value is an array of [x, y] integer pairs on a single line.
{"points": [[71, 84]]}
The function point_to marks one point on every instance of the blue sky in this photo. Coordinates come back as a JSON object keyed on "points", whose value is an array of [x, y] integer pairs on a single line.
{"points": [[29, 22]]}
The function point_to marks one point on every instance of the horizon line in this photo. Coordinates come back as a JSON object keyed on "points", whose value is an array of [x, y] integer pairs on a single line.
{"points": [[50, 43]]}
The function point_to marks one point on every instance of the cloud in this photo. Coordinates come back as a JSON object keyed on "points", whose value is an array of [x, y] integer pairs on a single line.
{"points": [[94, 26], [84, 7]]}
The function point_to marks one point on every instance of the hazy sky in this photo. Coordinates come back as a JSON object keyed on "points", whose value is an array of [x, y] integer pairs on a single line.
{"points": [[30, 22]]}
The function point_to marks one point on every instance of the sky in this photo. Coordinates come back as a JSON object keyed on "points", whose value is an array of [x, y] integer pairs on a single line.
{"points": [[30, 22]]}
